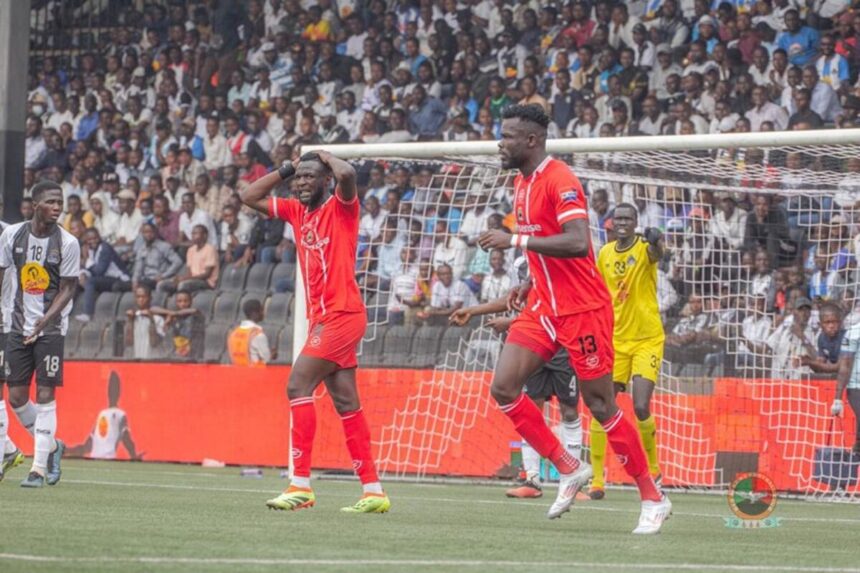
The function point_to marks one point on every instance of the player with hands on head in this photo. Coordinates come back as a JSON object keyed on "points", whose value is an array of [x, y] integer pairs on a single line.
{"points": [[326, 229]]}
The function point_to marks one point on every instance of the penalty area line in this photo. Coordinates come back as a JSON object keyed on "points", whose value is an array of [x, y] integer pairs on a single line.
{"points": [[162, 560]]}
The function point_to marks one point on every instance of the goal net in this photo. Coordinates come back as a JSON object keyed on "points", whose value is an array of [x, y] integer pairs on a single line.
{"points": [[759, 280]]}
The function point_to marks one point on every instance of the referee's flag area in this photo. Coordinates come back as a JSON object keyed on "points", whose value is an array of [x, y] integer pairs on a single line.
{"points": [[119, 516]]}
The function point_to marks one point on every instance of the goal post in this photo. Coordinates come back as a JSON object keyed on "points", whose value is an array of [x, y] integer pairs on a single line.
{"points": [[741, 388]]}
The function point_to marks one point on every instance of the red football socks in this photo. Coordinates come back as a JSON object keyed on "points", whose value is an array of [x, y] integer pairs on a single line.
{"points": [[304, 427], [625, 442], [529, 422], [358, 443]]}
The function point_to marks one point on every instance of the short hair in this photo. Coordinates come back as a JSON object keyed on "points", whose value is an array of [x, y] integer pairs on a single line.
{"points": [[314, 156], [832, 308], [202, 228], [251, 306], [43, 187], [628, 206], [144, 287], [533, 113]]}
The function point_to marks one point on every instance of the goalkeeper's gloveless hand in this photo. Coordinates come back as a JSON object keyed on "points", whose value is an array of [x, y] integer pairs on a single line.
{"points": [[653, 235]]}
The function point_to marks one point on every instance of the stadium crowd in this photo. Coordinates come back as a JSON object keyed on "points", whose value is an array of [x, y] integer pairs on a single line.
{"points": [[155, 127]]}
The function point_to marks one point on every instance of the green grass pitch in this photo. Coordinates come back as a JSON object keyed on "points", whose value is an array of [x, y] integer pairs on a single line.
{"points": [[113, 516]]}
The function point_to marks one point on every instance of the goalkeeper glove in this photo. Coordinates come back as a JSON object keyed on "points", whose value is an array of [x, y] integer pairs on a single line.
{"points": [[653, 235], [286, 170], [836, 408]]}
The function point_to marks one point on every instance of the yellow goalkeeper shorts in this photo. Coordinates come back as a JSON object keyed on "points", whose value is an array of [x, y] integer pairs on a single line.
{"points": [[637, 358]]}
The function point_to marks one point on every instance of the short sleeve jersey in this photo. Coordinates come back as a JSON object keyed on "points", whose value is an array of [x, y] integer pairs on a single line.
{"points": [[326, 244], [544, 201], [35, 266], [631, 278]]}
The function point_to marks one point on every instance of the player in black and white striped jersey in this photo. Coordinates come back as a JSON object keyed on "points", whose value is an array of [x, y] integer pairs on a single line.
{"points": [[11, 455], [42, 261]]}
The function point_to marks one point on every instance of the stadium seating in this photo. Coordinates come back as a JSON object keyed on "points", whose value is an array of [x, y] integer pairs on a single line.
{"points": [[259, 276], [226, 308], [233, 277]]}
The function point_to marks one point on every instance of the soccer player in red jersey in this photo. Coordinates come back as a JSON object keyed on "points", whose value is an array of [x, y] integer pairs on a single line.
{"points": [[566, 304], [326, 229]]}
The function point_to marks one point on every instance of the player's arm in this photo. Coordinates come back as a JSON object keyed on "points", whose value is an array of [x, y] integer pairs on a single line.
{"points": [[344, 174], [256, 195], [573, 242], [843, 375], [463, 315], [656, 244], [68, 286]]}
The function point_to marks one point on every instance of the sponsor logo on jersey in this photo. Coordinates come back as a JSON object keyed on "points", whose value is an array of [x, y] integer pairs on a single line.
{"points": [[102, 426], [34, 278], [530, 228], [592, 361], [569, 196], [53, 257]]}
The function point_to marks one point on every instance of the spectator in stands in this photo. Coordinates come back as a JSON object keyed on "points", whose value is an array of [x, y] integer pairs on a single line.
{"points": [[35, 147], [264, 241], [803, 114], [767, 228], [154, 260], [799, 42], [791, 342], [687, 335], [193, 216], [235, 234], [755, 331], [103, 271], [826, 358], [144, 330], [75, 212], [130, 221], [247, 344], [185, 328], [764, 110], [104, 219], [426, 114], [498, 282], [448, 295], [449, 250], [201, 262], [384, 260], [405, 299]]}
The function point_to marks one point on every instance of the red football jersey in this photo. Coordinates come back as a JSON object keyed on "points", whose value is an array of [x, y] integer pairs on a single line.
{"points": [[326, 244], [543, 202]]}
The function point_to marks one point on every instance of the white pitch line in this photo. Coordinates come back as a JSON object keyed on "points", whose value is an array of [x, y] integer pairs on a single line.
{"points": [[440, 499], [418, 563]]}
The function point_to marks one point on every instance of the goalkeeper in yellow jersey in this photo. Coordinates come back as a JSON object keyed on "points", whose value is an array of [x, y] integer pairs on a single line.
{"points": [[629, 267]]}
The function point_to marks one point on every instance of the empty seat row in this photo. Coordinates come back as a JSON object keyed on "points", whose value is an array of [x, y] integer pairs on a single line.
{"points": [[406, 347]]}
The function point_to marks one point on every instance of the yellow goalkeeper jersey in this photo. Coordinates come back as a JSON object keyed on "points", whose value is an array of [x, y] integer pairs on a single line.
{"points": [[632, 281]]}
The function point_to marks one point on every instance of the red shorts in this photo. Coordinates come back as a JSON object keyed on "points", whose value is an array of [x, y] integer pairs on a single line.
{"points": [[587, 336], [335, 337]]}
